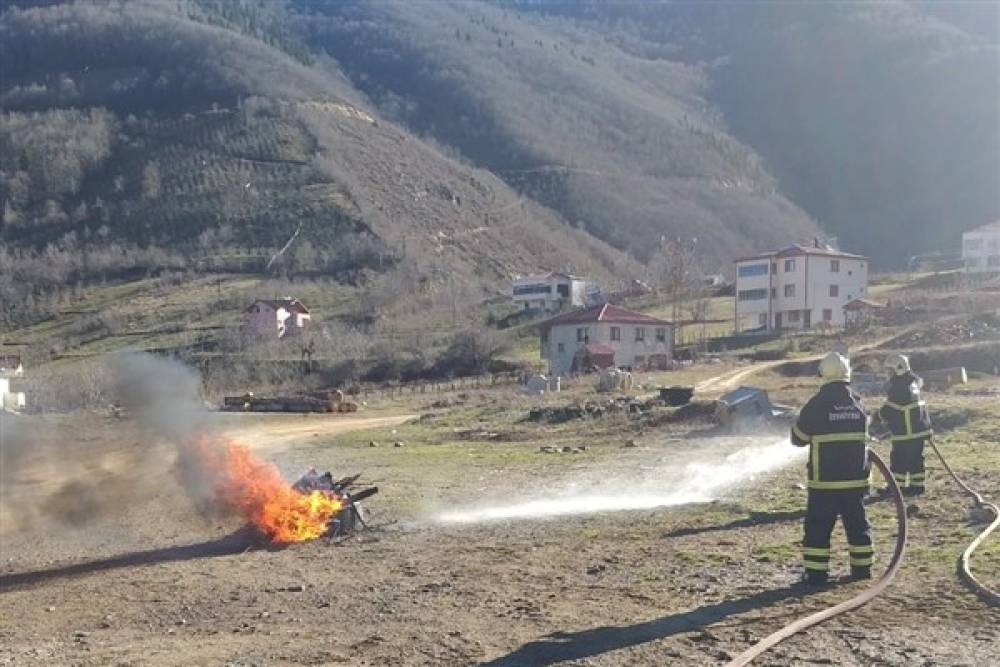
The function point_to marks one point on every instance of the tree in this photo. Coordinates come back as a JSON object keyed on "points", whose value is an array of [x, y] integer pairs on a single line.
{"points": [[676, 271], [151, 181]]}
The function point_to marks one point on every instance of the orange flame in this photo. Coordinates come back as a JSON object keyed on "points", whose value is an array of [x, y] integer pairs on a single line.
{"points": [[255, 489]]}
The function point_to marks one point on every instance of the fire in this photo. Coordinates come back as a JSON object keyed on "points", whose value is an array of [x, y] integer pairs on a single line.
{"points": [[255, 489]]}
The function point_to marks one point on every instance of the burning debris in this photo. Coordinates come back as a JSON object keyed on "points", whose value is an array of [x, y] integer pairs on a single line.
{"points": [[347, 520], [244, 484]]}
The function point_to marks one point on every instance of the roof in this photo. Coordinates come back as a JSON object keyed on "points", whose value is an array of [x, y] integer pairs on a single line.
{"points": [[288, 303], [861, 304], [599, 349], [988, 227], [605, 312], [798, 250], [547, 276]]}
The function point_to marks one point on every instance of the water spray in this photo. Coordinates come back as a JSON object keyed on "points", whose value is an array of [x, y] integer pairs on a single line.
{"points": [[667, 484]]}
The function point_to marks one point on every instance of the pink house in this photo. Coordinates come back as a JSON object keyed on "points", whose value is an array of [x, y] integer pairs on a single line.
{"points": [[276, 317]]}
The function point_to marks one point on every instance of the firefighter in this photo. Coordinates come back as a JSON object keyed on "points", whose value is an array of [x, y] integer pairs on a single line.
{"points": [[834, 425], [904, 414]]}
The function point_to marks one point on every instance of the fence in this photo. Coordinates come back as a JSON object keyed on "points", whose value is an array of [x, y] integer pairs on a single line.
{"points": [[400, 389]]}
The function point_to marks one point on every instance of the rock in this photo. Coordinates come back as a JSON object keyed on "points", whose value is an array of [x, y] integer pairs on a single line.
{"points": [[294, 588], [567, 449], [80, 634], [399, 444], [629, 444], [372, 443], [50, 609]]}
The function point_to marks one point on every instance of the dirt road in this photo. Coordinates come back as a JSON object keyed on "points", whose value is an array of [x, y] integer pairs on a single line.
{"points": [[275, 432], [732, 379]]}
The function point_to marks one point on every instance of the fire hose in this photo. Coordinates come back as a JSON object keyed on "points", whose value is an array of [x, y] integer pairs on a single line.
{"points": [[862, 598], [991, 597]]}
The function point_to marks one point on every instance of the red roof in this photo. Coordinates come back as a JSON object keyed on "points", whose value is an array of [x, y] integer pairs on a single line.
{"points": [[861, 304], [599, 349], [603, 313], [798, 250]]}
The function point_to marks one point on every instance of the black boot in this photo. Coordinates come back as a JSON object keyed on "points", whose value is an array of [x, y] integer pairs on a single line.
{"points": [[860, 573], [816, 578]]}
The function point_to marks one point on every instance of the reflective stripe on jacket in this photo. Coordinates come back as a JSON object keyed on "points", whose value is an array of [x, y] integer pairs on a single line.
{"points": [[834, 425], [904, 413]]}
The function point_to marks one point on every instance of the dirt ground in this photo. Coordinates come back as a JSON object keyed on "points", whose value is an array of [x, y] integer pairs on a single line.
{"points": [[142, 579]]}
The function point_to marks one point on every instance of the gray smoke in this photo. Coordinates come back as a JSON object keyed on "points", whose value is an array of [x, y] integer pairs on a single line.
{"points": [[73, 481], [162, 395]]}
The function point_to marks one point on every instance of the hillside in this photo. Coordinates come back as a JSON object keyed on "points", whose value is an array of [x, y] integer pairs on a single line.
{"points": [[878, 119], [628, 148], [198, 145]]}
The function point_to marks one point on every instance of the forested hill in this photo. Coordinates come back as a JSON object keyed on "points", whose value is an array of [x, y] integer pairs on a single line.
{"points": [[881, 120], [480, 139], [624, 146], [143, 135]]}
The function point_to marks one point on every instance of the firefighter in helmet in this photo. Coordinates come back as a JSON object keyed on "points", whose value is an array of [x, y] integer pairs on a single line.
{"points": [[905, 415], [834, 425]]}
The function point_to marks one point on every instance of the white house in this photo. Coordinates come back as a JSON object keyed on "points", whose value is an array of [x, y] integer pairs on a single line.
{"points": [[276, 317], [981, 249], [11, 370], [605, 336], [797, 287], [549, 292]]}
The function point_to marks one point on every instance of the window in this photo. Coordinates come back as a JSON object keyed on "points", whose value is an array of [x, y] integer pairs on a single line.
{"points": [[640, 334], [834, 290], [994, 260], [751, 270], [582, 335], [545, 337], [563, 291], [752, 294], [774, 267], [827, 315], [762, 319], [520, 290], [834, 266], [790, 290], [789, 265], [774, 292], [661, 335], [793, 316], [972, 244], [616, 333], [561, 347]]}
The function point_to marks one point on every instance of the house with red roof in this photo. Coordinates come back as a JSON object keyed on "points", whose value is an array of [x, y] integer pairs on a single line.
{"points": [[605, 336], [276, 317], [797, 287]]}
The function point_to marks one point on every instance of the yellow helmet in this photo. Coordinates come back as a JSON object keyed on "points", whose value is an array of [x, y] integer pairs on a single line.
{"points": [[835, 367], [897, 364]]}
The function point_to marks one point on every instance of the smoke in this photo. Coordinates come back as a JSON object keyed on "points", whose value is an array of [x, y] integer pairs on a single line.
{"points": [[667, 483], [161, 395], [51, 470]]}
